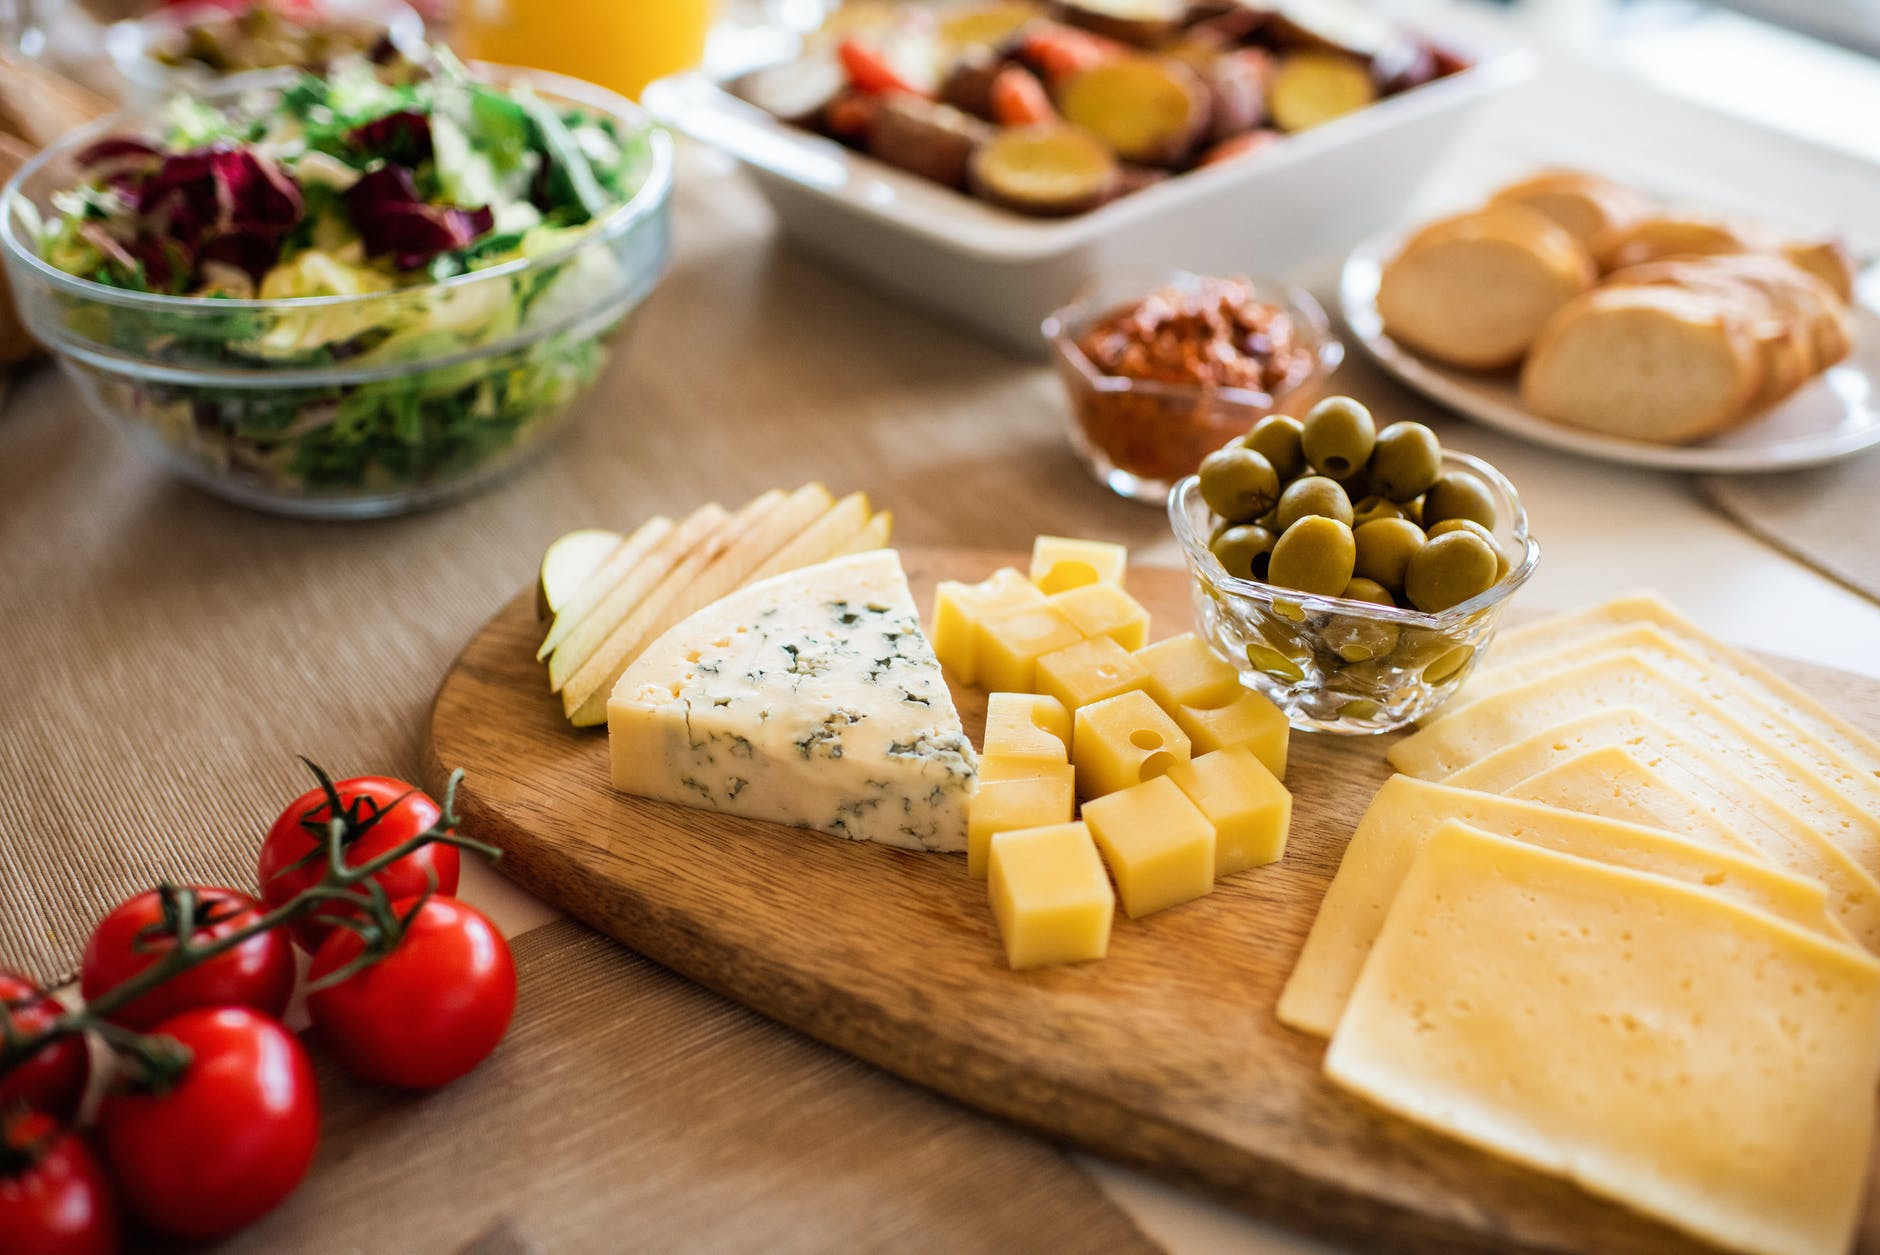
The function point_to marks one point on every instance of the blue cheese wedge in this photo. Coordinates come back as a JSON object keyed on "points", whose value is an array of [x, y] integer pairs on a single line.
{"points": [[809, 699]]}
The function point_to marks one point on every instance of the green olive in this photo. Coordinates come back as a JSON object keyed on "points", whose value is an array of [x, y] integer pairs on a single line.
{"points": [[1276, 438], [1314, 555], [1385, 547], [1371, 509], [1238, 484], [1459, 495], [1361, 589], [1448, 571], [1470, 525], [1406, 462], [1338, 436], [1309, 496], [1357, 485], [1243, 549], [1413, 510]]}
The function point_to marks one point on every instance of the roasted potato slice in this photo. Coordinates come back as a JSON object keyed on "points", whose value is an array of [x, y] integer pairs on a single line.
{"points": [[927, 138], [1046, 171], [985, 26], [796, 91], [1312, 88], [1150, 110], [1237, 81]]}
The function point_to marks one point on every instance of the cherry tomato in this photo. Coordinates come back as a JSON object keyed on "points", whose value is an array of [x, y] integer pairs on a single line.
{"points": [[54, 1199], [228, 1139], [429, 1011], [258, 973], [53, 1080], [385, 813]]}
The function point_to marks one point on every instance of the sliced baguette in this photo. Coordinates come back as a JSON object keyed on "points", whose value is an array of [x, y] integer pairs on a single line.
{"points": [[1784, 341], [1671, 235], [1474, 289], [1584, 205], [1802, 296], [1655, 364], [1827, 260], [626, 596]]}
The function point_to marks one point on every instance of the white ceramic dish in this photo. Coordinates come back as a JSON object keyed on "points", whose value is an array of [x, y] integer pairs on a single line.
{"points": [[1833, 416], [1001, 273]]}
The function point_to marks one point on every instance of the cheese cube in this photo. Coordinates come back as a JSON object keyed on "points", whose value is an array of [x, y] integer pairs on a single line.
{"points": [[1122, 741], [1248, 719], [1049, 895], [1006, 648], [1089, 671], [1248, 806], [1003, 805], [1158, 844], [1024, 730], [1060, 562], [1185, 671], [1105, 610], [959, 609]]}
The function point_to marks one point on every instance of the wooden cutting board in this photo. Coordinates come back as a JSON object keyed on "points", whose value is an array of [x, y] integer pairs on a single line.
{"points": [[1166, 1054]]}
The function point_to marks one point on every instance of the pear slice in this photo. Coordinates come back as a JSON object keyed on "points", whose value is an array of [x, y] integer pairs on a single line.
{"points": [[626, 596], [617, 566], [739, 563], [584, 695], [873, 536], [820, 541], [568, 562]]}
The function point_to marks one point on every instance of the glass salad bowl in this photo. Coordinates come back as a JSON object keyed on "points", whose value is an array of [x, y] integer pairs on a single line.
{"points": [[1336, 665], [351, 405]]}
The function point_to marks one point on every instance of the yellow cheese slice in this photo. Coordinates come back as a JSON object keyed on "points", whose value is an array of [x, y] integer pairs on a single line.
{"points": [[1768, 716], [1626, 679], [1404, 814], [1661, 1046], [1695, 777], [1549, 634]]}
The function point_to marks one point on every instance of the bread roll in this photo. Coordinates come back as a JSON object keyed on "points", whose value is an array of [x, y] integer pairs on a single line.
{"points": [[1645, 363], [1585, 205], [1474, 289]]}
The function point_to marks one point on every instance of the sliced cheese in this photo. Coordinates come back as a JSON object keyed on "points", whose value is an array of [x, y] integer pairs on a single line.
{"points": [[810, 699], [1407, 811], [615, 567], [1550, 634], [621, 600], [1697, 777], [1760, 710], [584, 696], [1627, 679], [1662, 1046], [1613, 784]]}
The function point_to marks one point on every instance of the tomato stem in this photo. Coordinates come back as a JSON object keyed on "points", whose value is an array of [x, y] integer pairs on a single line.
{"points": [[159, 1061]]}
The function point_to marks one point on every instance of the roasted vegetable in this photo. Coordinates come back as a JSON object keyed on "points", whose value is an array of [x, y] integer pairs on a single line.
{"points": [[1046, 171], [968, 84], [926, 138], [796, 91], [1237, 86], [1152, 110], [1056, 52], [985, 26], [1019, 99], [1244, 144], [1312, 88], [1142, 23]]}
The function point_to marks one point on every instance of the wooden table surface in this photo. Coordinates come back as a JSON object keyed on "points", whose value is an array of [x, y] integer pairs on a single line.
{"points": [[169, 654]]}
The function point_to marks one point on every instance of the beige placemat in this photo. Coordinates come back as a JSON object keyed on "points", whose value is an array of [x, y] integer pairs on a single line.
{"points": [[631, 1110], [1827, 517]]}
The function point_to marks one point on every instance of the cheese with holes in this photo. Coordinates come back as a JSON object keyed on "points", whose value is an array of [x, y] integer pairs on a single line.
{"points": [[1660, 1046], [1061, 562], [1635, 608], [809, 699], [1398, 824], [1627, 679], [1716, 787]]}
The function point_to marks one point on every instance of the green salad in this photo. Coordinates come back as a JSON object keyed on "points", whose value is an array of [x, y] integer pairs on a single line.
{"points": [[385, 188]]}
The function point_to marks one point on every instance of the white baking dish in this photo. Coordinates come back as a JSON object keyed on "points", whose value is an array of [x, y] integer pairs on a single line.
{"points": [[1001, 273]]}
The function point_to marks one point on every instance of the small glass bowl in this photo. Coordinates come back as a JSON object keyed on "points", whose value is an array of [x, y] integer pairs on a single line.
{"points": [[1139, 437], [1349, 666], [348, 406]]}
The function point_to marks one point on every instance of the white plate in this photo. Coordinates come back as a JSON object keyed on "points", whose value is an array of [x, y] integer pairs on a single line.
{"points": [[1835, 415]]}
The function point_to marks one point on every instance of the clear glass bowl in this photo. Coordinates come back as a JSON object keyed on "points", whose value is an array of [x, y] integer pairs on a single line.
{"points": [[1349, 666], [1137, 437], [349, 406]]}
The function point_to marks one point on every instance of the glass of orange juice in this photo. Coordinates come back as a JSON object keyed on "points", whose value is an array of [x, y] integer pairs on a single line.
{"points": [[620, 44]]}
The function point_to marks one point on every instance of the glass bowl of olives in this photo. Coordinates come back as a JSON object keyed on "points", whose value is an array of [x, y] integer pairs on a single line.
{"points": [[1353, 574]]}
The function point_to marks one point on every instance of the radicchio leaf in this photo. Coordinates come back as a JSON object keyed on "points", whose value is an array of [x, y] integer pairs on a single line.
{"points": [[203, 195], [393, 220], [403, 137]]}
